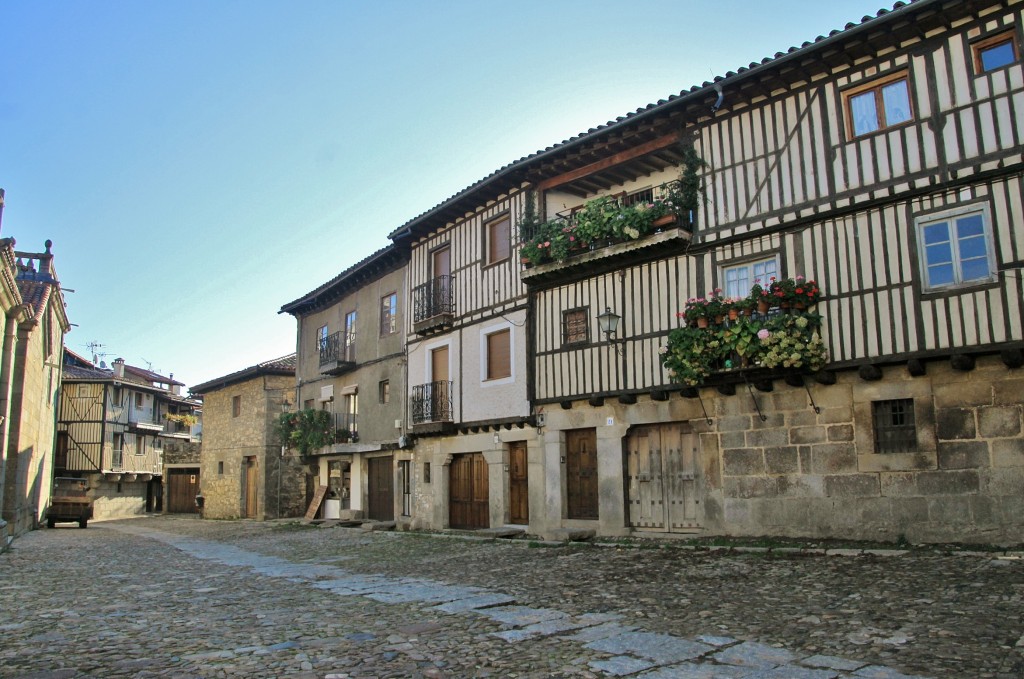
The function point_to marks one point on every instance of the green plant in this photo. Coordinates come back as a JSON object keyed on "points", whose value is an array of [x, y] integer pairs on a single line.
{"points": [[690, 188], [186, 419], [306, 430], [690, 354]]}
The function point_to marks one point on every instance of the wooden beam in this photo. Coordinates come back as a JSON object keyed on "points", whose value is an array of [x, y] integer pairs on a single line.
{"points": [[623, 156], [869, 373], [916, 367], [1012, 358], [962, 362]]}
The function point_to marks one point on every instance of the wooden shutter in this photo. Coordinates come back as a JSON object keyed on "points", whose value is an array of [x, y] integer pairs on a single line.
{"points": [[499, 361], [498, 240]]}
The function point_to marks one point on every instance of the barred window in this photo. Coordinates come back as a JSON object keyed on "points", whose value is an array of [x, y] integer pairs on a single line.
{"points": [[576, 326], [895, 426]]}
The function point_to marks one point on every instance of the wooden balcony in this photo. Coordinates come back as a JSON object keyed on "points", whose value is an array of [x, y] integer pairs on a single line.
{"points": [[671, 236], [433, 305], [337, 353]]}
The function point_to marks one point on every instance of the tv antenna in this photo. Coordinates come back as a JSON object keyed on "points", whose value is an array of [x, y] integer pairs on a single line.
{"points": [[94, 349]]}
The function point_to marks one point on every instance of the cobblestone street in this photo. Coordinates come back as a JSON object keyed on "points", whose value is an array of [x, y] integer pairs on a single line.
{"points": [[179, 597]]}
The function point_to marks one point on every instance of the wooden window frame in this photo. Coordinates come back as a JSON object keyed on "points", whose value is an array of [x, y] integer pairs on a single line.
{"points": [[490, 370], [567, 338], [876, 85], [490, 256], [384, 391], [980, 46], [389, 314]]}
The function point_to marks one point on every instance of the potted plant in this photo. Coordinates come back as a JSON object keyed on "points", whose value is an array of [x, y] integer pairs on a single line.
{"points": [[696, 313]]}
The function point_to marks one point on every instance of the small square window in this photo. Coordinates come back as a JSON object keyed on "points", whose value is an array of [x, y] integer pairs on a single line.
{"points": [[877, 105], [236, 406], [384, 391], [995, 52], [499, 239], [576, 326], [220, 468], [895, 426]]}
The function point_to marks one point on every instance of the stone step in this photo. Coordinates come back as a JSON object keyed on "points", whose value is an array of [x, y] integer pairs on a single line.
{"points": [[570, 534], [378, 525], [501, 532]]}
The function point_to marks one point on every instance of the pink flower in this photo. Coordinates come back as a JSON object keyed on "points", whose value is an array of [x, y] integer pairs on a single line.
{"points": [[762, 334], [547, 243]]}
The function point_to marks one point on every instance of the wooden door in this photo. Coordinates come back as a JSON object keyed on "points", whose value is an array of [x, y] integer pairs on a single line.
{"points": [[441, 262], [468, 499], [518, 485], [380, 489], [182, 488], [581, 473], [660, 478], [250, 486]]}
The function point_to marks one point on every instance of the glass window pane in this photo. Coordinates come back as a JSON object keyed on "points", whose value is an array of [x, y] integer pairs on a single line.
{"points": [[975, 269], [896, 99], [970, 226], [939, 253], [763, 271], [997, 56], [936, 233], [972, 248], [865, 117], [940, 274]]}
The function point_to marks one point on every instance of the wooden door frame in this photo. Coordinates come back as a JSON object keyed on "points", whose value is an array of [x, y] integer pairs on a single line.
{"points": [[513, 446]]}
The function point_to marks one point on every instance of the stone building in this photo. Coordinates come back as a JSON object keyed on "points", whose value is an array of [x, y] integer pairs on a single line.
{"points": [[350, 363], [244, 471], [34, 329]]}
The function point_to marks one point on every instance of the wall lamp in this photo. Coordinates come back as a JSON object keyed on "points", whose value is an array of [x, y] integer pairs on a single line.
{"points": [[608, 322]]}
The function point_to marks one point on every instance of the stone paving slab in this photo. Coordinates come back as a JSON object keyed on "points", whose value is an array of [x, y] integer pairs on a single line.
{"points": [[879, 672], [519, 616], [832, 663], [663, 649], [620, 666], [791, 672], [475, 602], [753, 654], [696, 671]]}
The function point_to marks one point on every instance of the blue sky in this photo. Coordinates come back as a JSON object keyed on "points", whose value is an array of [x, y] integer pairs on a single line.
{"points": [[198, 164]]}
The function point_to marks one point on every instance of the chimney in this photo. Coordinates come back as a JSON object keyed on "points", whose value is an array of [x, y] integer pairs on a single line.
{"points": [[119, 367]]}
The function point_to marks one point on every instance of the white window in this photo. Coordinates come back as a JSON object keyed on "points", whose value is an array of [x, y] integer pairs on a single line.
{"points": [[738, 279], [955, 247]]}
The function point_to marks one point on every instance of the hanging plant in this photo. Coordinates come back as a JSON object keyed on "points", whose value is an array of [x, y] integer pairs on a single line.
{"points": [[306, 430]]}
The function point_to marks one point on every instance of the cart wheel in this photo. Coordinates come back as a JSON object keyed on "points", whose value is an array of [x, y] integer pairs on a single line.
{"points": [[83, 523]]}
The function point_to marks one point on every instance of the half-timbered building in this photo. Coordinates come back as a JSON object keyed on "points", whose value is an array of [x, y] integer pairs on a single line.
{"points": [[885, 162], [112, 427], [351, 352], [469, 408]]}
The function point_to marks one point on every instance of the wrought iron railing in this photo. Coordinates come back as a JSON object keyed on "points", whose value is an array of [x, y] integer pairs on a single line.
{"points": [[432, 402], [433, 298], [340, 347]]}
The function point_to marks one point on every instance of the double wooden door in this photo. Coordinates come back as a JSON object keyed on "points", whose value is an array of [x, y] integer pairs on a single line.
{"points": [[380, 489], [661, 478], [182, 488], [468, 493]]}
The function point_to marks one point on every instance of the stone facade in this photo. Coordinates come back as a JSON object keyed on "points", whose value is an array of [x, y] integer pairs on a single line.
{"points": [[240, 456], [31, 372]]}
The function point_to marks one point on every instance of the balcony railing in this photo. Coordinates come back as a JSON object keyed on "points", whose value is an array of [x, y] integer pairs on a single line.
{"points": [[432, 402], [337, 352], [433, 303], [346, 422]]}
